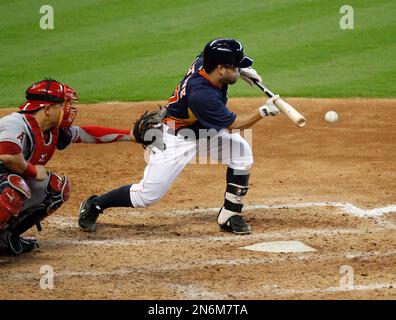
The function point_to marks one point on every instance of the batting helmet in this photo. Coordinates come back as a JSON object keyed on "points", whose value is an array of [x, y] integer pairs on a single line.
{"points": [[49, 92], [225, 51]]}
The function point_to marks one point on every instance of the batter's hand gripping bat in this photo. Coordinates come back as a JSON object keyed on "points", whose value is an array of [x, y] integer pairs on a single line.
{"points": [[283, 106]]}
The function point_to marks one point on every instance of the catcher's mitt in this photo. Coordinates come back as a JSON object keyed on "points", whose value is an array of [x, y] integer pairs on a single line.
{"points": [[147, 130]]}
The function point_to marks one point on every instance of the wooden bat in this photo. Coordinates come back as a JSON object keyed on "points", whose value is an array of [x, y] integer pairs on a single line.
{"points": [[284, 107]]}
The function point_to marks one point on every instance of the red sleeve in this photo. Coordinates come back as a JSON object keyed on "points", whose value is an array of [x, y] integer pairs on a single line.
{"points": [[98, 134], [99, 131], [30, 171], [7, 147]]}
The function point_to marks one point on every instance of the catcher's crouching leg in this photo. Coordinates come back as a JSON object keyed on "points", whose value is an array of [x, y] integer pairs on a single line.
{"points": [[13, 192], [57, 192]]}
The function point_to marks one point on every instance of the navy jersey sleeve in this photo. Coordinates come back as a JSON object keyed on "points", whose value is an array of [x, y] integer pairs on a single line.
{"points": [[210, 110], [64, 138]]}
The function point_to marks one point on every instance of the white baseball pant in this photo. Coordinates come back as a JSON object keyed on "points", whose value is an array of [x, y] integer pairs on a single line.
{"points": [[164, 166]]}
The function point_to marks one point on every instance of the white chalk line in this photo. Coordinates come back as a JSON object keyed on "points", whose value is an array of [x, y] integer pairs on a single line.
{"points": [[183, 266], [363, 287], [71, 222], [344, 206], [195, 292], [68, 222], [62, 222], [301, 233], [386, 224]]}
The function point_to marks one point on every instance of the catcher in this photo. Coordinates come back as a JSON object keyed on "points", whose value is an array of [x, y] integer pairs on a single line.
{"points": [[28, 140]]}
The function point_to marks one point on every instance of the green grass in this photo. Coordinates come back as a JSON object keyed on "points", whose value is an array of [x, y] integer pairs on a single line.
{"points": [[138, 50]]}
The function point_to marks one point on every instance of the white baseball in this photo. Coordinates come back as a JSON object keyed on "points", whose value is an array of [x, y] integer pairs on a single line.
{"points": [[331, 116]]}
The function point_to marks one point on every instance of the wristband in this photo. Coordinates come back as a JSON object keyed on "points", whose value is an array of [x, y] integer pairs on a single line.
{"points": [[30, 171]]}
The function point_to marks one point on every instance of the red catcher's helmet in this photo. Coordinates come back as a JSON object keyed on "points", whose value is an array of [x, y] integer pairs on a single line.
{"points": [[49, 92]]}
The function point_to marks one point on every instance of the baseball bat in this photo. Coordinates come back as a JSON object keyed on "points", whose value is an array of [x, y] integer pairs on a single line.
{"points": [[284, 107]]}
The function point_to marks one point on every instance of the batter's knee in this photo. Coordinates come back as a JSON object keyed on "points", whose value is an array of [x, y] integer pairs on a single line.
{"points": [[143, 200], [242, 159], [150, 200], [146, 196]]}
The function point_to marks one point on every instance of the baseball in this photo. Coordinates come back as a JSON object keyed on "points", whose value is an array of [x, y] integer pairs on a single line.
{"points": [[331, 116]]}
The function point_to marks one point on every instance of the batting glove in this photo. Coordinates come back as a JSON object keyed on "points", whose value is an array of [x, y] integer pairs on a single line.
{"points": [[250, 75], [269, 109]]}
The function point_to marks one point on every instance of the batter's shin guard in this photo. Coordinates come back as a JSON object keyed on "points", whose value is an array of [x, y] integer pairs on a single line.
{"points": [[229, 217]]}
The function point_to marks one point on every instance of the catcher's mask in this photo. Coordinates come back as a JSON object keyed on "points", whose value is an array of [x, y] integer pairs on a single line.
{"points": [[49, 92]]}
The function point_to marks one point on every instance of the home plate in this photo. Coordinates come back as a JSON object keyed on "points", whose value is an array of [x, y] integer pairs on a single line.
{"points": [[280, 246]]}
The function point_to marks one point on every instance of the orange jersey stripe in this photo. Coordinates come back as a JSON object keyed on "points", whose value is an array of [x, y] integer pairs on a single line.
{"points": [[176, 123]]}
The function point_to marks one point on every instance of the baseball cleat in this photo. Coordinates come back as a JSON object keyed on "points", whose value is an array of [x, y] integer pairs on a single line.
{"points": [[14, 245], [89, 212], [28, 244], [237, 225]]}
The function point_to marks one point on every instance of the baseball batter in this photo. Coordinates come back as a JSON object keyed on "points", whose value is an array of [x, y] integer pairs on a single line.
{"points": [[28, 140], [197, 121]]}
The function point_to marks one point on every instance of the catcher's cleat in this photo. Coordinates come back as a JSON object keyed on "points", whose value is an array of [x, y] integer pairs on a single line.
{"points": [[28, 244], [237, 225], [89, 212], [13, 245]]}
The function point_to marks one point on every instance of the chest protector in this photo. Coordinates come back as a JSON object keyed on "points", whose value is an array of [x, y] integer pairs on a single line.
{"points": [[40, 150]]}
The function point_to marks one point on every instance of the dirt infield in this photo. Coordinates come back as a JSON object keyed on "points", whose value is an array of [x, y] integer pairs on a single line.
{"points": [[330, 186]]}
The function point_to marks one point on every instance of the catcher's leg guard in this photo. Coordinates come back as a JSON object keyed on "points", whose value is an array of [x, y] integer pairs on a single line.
{"points": [[14, 191], [27, 219], [57, 192], [229, 217]]}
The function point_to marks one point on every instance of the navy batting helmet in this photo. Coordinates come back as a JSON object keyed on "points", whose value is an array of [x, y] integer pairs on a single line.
{"points": [[225, 51]]}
